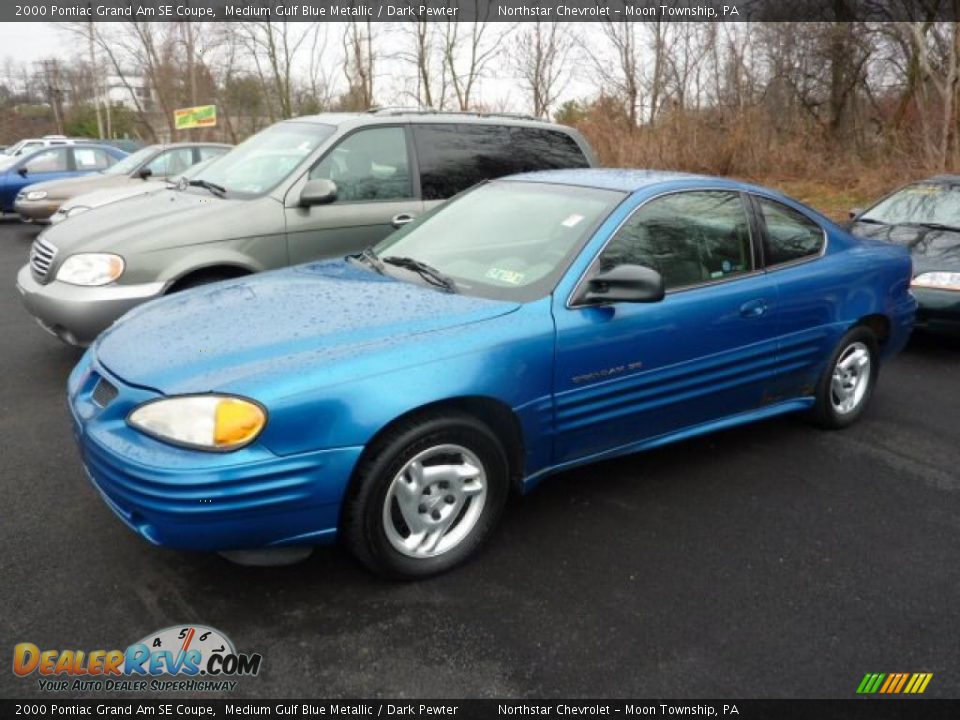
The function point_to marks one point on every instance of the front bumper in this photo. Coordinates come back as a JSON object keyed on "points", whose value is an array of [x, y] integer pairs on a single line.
{"points": [[938, 311], [192, 500], [78, 314], [36, 210]]}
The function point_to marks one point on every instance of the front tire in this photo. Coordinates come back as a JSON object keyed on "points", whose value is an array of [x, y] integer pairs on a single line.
{"points": [[848, 380], [426, 496]]}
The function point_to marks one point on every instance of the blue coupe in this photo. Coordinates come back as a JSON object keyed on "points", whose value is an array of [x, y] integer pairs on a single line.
{"points": [[394, 398], [53, 163]]}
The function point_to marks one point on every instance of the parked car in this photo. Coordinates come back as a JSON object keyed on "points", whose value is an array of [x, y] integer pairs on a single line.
{"points": [[53, 163], [30, 145], [40, 201], [532, 324], [925, 218], [98, 198], [271, 202]]}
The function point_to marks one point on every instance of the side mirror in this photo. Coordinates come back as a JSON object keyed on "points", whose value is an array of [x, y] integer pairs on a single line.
{"points": [[854, 212], [22, 171], [144, 173], [623, 283], [318, 192]]}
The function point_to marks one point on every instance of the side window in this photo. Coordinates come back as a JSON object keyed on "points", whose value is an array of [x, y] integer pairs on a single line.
{"points": [[90, 159], [369, 165], [688, 237], [54, 160], [791, 235], [211, 152], [454, 157], [539, 149], [172, 162]]}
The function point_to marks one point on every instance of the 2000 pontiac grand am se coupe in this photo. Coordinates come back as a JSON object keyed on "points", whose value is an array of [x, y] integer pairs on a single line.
{"points": [[529, 325]]}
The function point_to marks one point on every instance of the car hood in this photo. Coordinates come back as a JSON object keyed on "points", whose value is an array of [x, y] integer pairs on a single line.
{"points": [[931, 249], [295, 320], [114, 194], [143, 223], [68, 187]]}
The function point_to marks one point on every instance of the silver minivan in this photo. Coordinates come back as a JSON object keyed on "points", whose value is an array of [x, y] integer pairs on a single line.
{"points": [[302, 189]]}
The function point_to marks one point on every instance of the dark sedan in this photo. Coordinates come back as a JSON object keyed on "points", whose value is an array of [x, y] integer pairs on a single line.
{"points": [[924, 217]]}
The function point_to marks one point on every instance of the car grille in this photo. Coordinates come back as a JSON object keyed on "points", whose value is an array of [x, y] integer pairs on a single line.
{"points": [[41, 258], [104, 393]]}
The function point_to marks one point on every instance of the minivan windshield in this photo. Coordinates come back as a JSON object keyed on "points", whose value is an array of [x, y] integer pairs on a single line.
{"points": [[132, 162], [506, 240], [259, 163]]}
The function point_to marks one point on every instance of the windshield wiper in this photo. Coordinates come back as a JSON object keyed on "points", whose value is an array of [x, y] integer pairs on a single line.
{"points": [[218, 190], [427, 272], [935, 226], [369, 257]]}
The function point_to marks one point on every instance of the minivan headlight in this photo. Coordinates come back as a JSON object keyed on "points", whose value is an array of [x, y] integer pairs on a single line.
{"points": [[203, 422], [938, 280], [36, 195], [91, 269]]}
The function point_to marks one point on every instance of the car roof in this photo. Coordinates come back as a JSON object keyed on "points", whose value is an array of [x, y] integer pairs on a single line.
{"points": [[620, 179], [390, 115]]}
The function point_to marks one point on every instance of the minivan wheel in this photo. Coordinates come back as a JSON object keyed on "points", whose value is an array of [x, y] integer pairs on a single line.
{"points": [[426, 496], [848, 380]]}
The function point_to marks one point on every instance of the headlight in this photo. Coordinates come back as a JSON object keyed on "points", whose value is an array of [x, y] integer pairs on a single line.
{"points": [[938, 280], [77, 210], [203, 422], [90, 269], [36, 195]]}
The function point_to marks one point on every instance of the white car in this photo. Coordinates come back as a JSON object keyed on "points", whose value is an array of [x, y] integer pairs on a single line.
{"points": [[98, 198]]}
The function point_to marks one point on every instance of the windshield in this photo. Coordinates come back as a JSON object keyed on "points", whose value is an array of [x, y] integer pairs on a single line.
{"points": [[504, 240], [937, 203], [256, 165], [131, 162]]}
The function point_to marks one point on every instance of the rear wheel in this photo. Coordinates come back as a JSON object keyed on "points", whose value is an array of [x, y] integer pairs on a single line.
{"points": [[848, 380], [426, 496]]}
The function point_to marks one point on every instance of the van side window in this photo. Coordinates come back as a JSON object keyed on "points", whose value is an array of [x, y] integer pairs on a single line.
{"points": [[690, 238], [456, 156], [369, 165], [791, 235]]}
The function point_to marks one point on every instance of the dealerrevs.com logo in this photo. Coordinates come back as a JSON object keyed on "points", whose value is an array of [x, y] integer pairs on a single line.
{"points": [[200, 657]]}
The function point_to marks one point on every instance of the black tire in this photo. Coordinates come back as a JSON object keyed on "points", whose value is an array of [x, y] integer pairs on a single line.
{"points": [[363, 523], [202, 278], [824, 412]]}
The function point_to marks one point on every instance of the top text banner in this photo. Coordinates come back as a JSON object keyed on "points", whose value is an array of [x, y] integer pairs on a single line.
{"points": [[509, 11]]}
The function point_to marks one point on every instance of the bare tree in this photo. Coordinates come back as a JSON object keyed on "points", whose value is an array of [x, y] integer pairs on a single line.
{"points": [[358, 66], [421, 51], [540, 57], [274, 47], [468, 48]]}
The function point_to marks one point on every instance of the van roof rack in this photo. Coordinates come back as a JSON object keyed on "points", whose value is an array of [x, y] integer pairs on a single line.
{"points": [[465, 113]]}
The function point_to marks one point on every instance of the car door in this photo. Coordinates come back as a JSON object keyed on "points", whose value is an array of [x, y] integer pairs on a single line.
{"points": [[373, 169], [43, 165], [629, 372], [792, 242]]}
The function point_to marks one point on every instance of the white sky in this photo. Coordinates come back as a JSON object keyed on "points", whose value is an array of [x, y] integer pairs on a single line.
{"points": [[29, 42]]}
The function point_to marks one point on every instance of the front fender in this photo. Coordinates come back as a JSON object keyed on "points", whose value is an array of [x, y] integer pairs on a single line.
{"points": [[508, 359]]}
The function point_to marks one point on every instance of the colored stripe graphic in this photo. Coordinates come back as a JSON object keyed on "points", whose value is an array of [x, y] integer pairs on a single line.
{"points": [[894, 683]]}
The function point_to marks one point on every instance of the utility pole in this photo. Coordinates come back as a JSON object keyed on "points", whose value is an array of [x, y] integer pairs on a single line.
{"points": [[95, 78]]}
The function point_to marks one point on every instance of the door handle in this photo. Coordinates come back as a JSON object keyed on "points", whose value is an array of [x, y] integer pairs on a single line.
{"points": [[753, 308], [401, 219]]}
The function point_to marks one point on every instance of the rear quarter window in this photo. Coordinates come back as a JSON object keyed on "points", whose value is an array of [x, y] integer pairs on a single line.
{"points": [[790, 235], [454, 157]]}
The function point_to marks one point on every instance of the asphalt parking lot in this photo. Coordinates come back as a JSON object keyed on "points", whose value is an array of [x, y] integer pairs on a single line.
{"points": [[770, 561]]}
